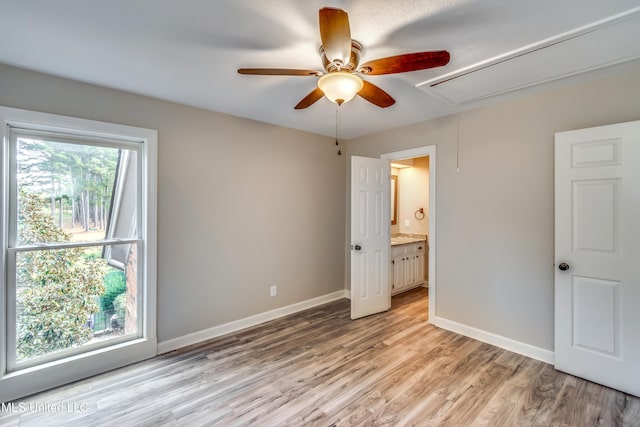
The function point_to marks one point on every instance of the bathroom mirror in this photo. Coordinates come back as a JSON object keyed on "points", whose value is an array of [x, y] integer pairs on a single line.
{"points": [[394, 199]]}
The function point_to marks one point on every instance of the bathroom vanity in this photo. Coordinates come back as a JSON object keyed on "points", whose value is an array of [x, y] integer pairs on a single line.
{"points": [[408, 262]]}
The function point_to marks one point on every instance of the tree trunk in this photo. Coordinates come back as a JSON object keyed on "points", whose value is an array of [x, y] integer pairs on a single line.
{"points": [[53, 197], [73, 208], [60, 213], [96, 214], [85, 210]]}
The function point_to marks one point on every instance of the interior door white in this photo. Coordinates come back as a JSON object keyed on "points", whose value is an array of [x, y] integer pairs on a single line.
{"points": [[370, 224], [597, 279]]}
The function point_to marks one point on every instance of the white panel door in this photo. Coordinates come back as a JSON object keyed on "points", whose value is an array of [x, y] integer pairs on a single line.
{"points": [[597, 279], [370, 224]]}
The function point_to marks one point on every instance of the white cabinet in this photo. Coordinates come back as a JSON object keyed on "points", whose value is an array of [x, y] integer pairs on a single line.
{"points": [[407, 266]]}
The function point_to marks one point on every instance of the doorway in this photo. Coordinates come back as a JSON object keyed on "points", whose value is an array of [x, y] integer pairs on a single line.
{"points": [[430, 213]]}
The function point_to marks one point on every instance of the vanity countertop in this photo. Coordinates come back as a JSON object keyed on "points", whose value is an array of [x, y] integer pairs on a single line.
{"points": [[403, 239]]}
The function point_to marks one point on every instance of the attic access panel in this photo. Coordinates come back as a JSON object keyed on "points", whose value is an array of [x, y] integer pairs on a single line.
{"points": [[599, 45]]}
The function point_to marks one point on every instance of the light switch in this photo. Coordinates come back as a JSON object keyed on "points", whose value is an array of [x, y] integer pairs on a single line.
{"points": [[406, 223]]}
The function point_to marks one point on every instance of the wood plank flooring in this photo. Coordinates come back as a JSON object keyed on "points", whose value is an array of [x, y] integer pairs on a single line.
{"points": [[319, 368]]}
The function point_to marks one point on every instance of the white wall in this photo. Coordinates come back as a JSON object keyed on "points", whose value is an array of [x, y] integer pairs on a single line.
{"points": [[495, 247], [413, 191], [242, 205]]}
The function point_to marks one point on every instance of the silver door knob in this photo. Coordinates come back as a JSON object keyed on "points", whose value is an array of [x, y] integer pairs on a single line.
{"points": [[563, 266]]}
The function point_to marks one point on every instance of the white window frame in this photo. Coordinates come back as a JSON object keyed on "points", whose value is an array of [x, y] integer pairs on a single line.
{"points": [[55, 371]]}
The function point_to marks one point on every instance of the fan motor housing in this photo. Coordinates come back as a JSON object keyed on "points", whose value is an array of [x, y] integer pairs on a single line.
{"points": [[352, 65]]}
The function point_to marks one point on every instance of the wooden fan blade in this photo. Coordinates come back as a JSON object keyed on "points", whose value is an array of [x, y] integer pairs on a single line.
{"points": [[310, 99], [335, 34], [278, 72], [375, 95], [405, 63]]}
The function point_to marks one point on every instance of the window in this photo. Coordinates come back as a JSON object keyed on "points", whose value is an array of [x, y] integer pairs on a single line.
{"points": [[79, 249]]}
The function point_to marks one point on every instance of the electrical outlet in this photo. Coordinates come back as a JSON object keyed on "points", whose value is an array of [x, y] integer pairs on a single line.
{"points": [[407, 223], [273, 290]]}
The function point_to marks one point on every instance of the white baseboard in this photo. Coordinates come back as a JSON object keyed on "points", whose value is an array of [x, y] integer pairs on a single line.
{"points": [[236, 325], [528, 350]]}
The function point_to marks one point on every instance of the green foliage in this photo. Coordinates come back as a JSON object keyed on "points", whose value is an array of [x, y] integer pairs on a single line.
{"points": [[120, 303], [55, 288], [34, 225], [92, 253], [120, 306], [115, 283]]}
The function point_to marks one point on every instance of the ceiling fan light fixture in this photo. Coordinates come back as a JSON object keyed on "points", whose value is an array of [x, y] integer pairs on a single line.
{"points": [[340, 86], [340, 55]]}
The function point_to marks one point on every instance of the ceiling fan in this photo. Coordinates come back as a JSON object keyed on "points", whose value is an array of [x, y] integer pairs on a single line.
{"points": [[340, 55]]}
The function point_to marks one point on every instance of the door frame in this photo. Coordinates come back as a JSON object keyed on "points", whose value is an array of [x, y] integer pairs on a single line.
{"points": [[429, 151]]}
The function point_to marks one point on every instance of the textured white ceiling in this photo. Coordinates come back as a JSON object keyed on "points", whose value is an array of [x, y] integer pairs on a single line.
{"points": [[188, 51]]}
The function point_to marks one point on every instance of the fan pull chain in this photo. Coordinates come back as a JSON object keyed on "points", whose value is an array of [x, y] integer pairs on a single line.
{"points": [[458, 145], [337, 128]]}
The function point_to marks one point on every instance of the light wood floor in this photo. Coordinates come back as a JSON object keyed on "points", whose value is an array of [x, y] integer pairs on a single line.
{"points": [[320, 368]]}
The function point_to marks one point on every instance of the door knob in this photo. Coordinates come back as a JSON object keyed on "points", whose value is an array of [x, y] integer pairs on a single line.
{"points": [[563, 266], [357, 247]]}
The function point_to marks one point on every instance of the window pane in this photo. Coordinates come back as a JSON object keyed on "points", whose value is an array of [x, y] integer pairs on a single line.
{"points": [[70, 189], [67, 298]]}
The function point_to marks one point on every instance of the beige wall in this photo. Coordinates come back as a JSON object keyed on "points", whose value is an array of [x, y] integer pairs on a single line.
{"points": [[495, 236], [242, 205], [413, 191]]}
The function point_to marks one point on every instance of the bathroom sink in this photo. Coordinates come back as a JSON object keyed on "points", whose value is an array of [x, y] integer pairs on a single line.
{"points": [[403, 240]]}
